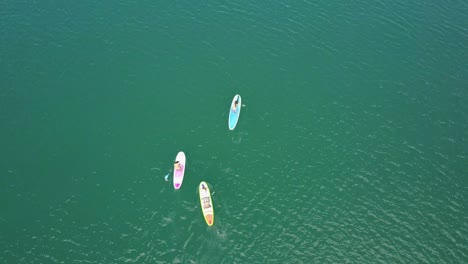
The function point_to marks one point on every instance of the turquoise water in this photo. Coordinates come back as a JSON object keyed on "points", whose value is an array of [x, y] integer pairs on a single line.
{"points": [[352, 146]]}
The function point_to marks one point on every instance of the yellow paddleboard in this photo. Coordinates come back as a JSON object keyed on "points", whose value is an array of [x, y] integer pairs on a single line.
{"points": [[206, 203]]}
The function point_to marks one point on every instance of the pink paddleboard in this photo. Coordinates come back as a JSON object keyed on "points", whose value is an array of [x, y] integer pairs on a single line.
{"points": [[179, 174]]}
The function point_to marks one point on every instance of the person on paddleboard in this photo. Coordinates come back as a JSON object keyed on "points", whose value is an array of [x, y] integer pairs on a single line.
{"points": [[177, 165], [234, 106], [206, 202]]}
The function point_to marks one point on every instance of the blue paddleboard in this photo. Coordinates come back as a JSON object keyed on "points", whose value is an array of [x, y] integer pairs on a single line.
{"points": [[234, 112]]}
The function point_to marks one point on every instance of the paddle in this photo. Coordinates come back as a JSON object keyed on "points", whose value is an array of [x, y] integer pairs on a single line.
{"points": [[167, 176]]}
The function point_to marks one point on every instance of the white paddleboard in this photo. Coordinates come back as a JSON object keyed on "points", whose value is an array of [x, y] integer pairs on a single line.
{"points": [[179, 173], [206, 203]]}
